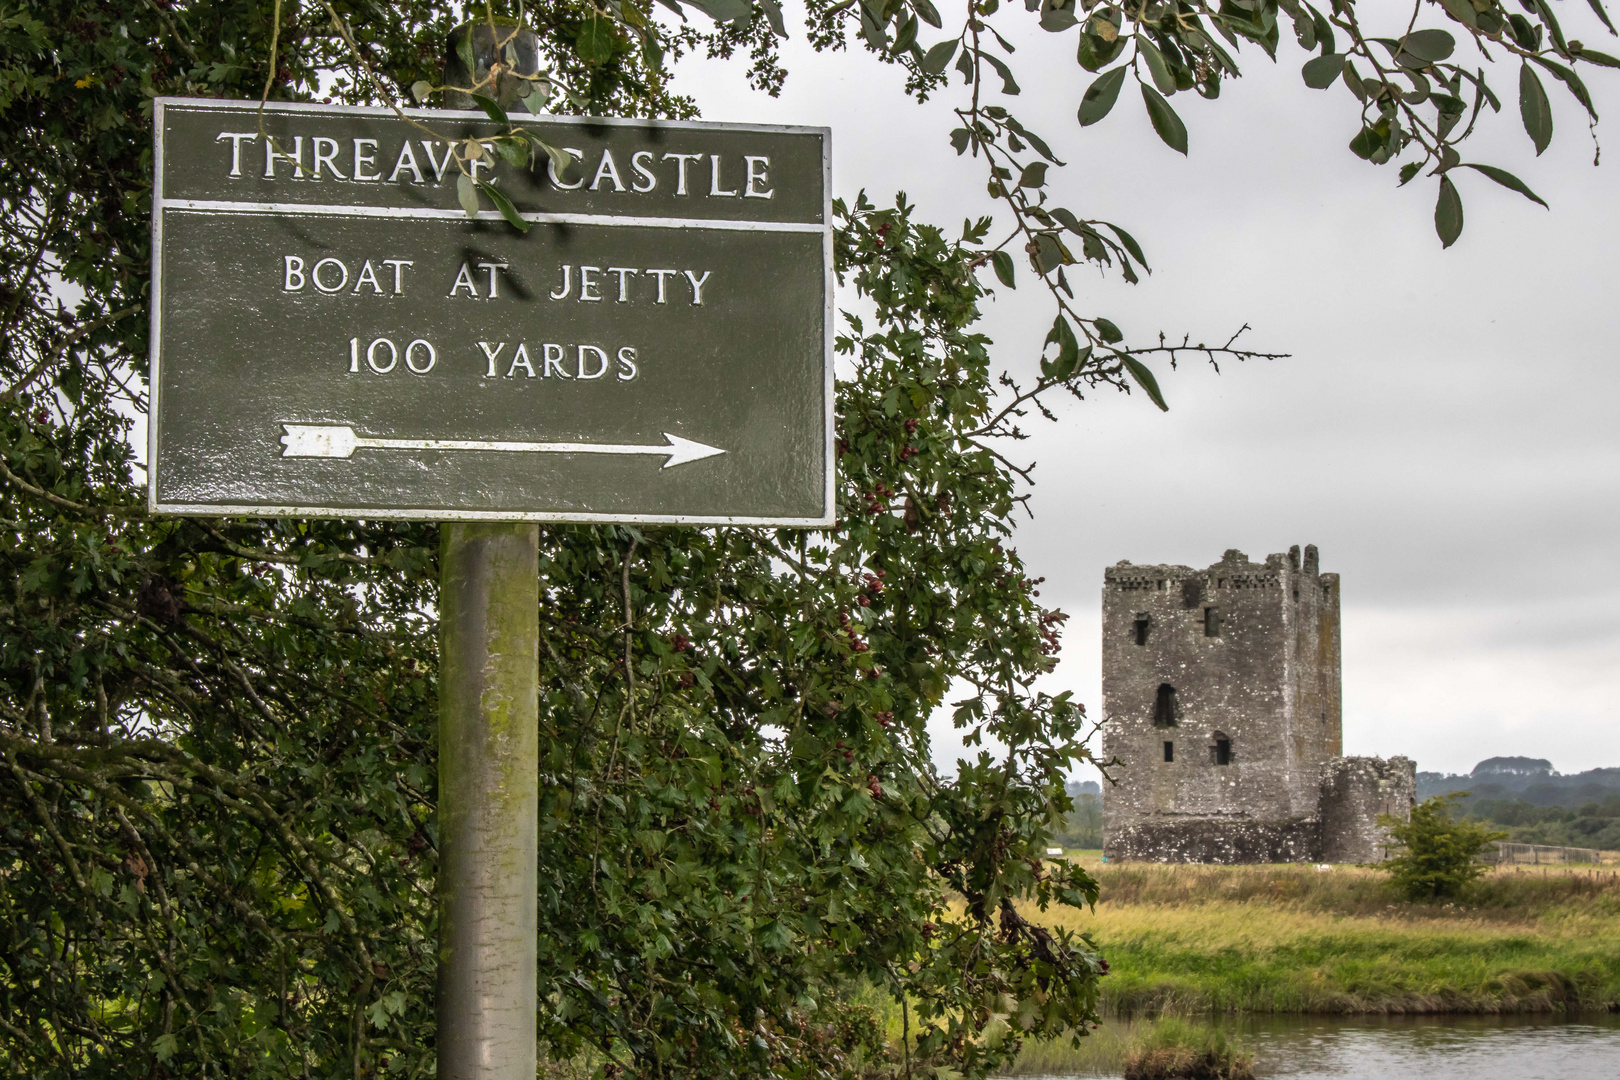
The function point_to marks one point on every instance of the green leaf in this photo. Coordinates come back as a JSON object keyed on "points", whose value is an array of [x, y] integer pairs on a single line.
{"points": [[725, 11], [1049, 253], [467, 194], [1100, 96], [938, 56], [1055, 20], [595, 41], [464, 53], [561, 161], [1320, 72], [1507, 180], [872, 31], [1107, 330], [773, 14], [1324, 32], [928, 13], [1157, 68], [1534, 108], [538, 97], [1033, 139], [1352, 79], [1094, 52], [420, 89], [1066, 217], [1130, 245], [1409, 170], [1571, 80], [1461, 10], [905, 36], [1365, 142], [1068, 357], [1430, 45], [504, 205], [1550, 21], [1034, 175], [1601, 59], [496, 113], [1008, 86], [1004, 267], [1144, 378], [1448, 214], [1165, 120], [514, 150], [1597, 6]]}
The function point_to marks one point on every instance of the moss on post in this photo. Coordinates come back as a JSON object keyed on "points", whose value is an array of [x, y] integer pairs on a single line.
{"points": [[488, 786]]}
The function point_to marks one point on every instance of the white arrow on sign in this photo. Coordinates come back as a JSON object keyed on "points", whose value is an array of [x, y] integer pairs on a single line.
{"points": [[340, 441]]}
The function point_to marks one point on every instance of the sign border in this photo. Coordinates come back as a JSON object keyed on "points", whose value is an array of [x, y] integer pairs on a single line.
{"points": [[160, 205]]}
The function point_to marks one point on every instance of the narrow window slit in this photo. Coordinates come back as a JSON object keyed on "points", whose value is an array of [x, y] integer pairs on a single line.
{"points": [[1166, 709]]}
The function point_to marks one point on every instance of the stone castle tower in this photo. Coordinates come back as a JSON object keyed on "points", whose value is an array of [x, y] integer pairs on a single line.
{"points": [[1221, 702]]}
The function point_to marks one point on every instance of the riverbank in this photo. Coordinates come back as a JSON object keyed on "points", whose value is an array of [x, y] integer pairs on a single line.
{"points": [[1296, 939]]}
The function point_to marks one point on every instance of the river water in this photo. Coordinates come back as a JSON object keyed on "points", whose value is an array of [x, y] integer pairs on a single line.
{"points": [[1430, 1048], [1435, 1048]]}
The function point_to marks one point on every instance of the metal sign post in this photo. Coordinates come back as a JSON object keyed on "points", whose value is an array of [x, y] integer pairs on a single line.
{"points": [[332, 335]]}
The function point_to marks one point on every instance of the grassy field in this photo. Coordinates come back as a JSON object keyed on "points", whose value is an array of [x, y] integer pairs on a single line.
{"points": [[1198, 939]]}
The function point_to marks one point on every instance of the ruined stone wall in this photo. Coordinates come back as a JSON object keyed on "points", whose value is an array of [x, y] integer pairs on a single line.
{"points": [[1207, 840], [1236, 668], [1355, 791]]}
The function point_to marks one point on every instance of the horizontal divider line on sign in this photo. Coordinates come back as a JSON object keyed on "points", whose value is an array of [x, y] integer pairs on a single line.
{"points": [[214, 206], [433, 513]]}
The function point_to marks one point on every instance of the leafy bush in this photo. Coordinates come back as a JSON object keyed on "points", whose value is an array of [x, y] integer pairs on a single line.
{"points": [[1442, 851]]}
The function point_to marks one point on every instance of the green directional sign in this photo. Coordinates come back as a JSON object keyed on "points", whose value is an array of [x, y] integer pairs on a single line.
{"points": [[333, 335]]}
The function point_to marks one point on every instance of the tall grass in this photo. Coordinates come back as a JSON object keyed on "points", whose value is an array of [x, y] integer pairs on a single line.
{"points": [[1168, 1047], [1174, 1049], [1192, 939]]}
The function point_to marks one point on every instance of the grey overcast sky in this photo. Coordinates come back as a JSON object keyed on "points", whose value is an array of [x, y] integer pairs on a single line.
{"points": [[1444, 430]]}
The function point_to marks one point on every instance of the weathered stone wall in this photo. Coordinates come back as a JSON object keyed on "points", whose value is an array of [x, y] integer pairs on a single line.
{"points": [[1236, 669], [1355, 791], [1206, 840]]}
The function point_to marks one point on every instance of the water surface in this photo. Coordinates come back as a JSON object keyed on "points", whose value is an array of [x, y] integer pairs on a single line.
{"points": [[1409, 1048], [1435, 1048]]}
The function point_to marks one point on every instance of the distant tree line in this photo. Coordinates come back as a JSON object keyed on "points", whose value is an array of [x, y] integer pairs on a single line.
{"points": [[1533, 804], [1592, 825], [1083, 826], [1528, 780]]}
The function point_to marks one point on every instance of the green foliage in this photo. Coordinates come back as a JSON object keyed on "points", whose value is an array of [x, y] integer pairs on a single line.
{"points": [[1082, 828], [217, 826], [1440, 852], [1591, 825]]}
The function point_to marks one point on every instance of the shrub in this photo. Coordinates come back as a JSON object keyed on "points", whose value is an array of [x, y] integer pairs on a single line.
{"points": [[1441, 851]]}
